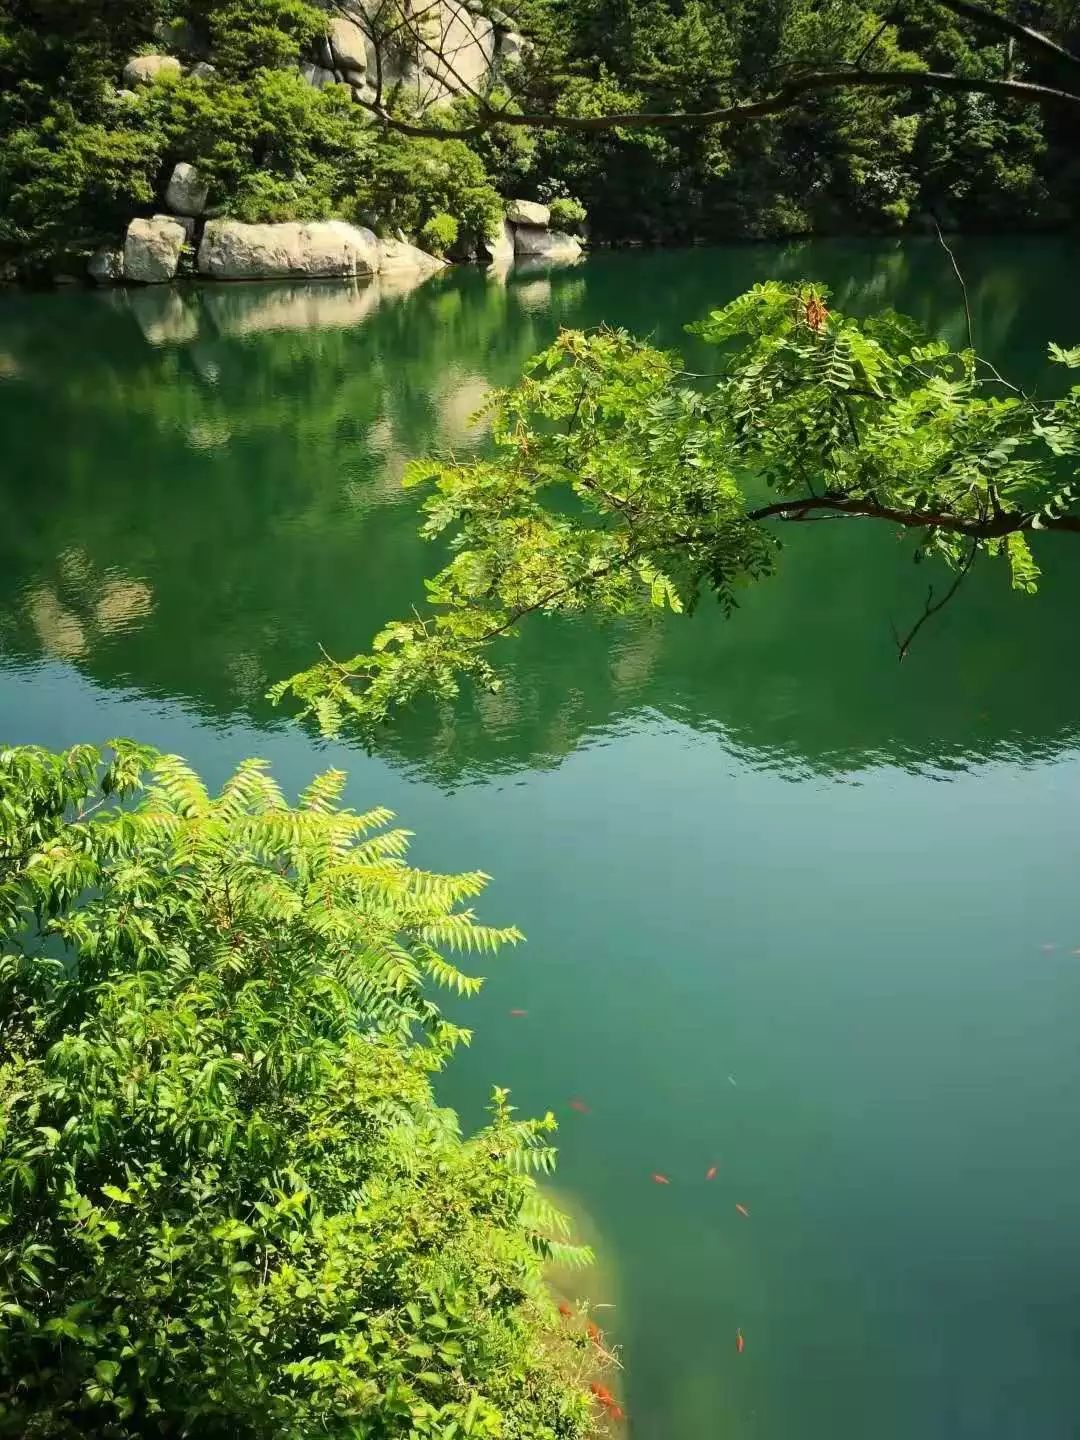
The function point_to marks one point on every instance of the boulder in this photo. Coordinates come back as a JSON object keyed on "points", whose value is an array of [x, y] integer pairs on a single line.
{"points": [[202, 70], [324, 249], [498, 247], [317, 76], [527, 212], [395, 255], [349, 47], [106, 265], [511, 47], [186, 223], [545, 244], [152, 250], [144, 69], [187, 192]]}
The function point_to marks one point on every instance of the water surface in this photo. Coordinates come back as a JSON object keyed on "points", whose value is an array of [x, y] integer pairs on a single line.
{"points": [[757, 851]]}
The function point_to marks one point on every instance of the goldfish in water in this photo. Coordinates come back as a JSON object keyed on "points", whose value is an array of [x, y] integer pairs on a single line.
{"points": [[710, 1173], [740, 1343], [615, 1412], [593, 1332], [660, 1179], [579, 1106], [517, 1014], [743, 1210], [564, 1309], [602, 1393]]}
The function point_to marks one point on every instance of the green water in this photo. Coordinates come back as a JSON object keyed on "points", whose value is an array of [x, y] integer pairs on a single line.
{"points": [[756, 849]]}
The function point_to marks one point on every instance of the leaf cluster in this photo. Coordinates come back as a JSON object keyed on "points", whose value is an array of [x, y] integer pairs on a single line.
{"points": [[230, 1204]]}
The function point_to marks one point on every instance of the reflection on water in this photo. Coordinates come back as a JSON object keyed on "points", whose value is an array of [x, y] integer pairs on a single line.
{"points": [[200, 486], [237, 450]]}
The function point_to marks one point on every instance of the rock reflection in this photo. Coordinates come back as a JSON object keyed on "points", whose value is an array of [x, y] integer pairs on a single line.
{"points": [[230, 460]]}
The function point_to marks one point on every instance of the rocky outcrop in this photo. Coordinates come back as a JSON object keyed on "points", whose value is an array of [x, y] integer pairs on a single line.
{"points": [[186, 223], [498, 247], [202, 70], [399, 255], [322, 250], [450, 49], [144, 69], [541, 244], [187, 192], [106, 265], [528, 212], [152, 250]]}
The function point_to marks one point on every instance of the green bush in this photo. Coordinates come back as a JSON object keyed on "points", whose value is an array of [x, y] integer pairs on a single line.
{"points": [[411, 181], [232, 1206], [567, 214], [439, 233]]}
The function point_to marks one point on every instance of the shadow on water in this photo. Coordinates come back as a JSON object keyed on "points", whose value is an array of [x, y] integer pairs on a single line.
{"points": [[217, 493]]}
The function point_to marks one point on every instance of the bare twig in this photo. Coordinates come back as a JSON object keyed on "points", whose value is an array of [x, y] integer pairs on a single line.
{"points": [[934, 607], [963, 287]]}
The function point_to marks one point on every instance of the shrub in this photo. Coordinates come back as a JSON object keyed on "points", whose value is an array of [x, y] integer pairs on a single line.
{"points": [[233, 1208], [439, 233], [567, 214]]}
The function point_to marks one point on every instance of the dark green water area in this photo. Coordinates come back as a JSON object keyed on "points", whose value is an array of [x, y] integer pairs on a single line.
{"points": [[793, 909]]}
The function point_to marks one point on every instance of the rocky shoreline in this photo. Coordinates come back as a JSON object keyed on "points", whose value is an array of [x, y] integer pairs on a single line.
{"points": [[156, 247]]}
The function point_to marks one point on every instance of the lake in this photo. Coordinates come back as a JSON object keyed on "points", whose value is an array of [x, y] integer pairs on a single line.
{"points": [[793, 909]]}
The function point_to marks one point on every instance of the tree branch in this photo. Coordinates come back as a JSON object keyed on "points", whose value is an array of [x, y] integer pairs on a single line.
{"points": [[993, 527], [813, 82], [1033, 39]]}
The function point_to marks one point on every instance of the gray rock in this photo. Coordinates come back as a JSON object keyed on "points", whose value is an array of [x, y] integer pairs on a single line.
{"points": [[325, 249], [364, 94], [317, 76], [186, 221], [511, 46], [152, 250], [187, 192], [126, 96], [527, 212], [395, 255], [498, 248], [545, 244], [202, 70], [145, 69], [106, 265]]}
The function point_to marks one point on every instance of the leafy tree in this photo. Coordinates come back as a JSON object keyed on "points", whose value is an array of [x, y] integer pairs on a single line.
{"points": [[620, 483], [232, 1206]]}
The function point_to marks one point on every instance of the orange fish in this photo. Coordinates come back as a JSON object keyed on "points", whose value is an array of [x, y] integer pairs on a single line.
{"points": [[660, 1179], [602, 1393], [743, 1211], [593, 1332], [564, 1309], [615, 1412], [517, 1014], [579, 1106], [740, 1343], [710, 1173]]}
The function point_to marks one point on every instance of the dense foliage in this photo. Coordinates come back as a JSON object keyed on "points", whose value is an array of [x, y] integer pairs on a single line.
{"points": [[231, 1204], [79, 156], [620, 483]]}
